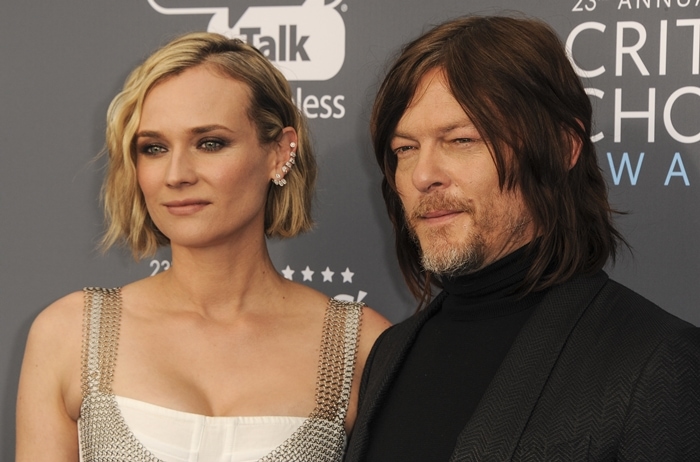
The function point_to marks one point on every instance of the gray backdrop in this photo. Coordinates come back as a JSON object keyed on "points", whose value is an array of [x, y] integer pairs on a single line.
{"points": [[62, 62]]}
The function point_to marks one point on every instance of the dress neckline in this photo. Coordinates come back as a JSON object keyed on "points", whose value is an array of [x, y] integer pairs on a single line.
{"points": [[170, 412]]}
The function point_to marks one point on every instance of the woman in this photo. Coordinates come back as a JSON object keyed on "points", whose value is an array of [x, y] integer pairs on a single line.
{"points": [[218, 358]]}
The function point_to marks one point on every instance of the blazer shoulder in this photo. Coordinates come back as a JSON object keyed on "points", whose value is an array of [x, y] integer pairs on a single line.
{"points": [[622, 327], [662, 421], [640, 312]]}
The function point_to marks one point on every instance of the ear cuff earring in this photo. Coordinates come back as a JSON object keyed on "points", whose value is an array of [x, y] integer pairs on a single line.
{"points": [[279, 181]]}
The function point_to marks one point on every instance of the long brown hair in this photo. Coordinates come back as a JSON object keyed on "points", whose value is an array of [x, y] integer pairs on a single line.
{"points": [[514, 81]]}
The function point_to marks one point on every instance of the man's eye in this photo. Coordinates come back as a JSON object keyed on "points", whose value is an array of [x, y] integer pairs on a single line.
{"points": [[401, 150]]}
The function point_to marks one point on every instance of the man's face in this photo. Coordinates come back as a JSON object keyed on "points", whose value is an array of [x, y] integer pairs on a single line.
{"points": [[448, 184]]}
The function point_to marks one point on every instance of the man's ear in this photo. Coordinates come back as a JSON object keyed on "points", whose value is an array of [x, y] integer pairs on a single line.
{"points": [[575, 145]]}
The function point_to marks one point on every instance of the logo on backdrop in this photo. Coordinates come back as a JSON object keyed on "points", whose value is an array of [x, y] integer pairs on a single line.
{"points": [[650, 89], [306, 42]]}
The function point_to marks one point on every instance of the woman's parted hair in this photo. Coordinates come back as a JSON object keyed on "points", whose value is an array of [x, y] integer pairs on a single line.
{"points": [[514, 81], [271, 109]]}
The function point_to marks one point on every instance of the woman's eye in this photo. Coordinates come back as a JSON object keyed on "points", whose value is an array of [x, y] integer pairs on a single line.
{"points": [[211, 145], [152, 149]]}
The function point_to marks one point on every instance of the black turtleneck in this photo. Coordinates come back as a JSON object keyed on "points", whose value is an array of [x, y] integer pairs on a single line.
{"points": [[452, 362]]}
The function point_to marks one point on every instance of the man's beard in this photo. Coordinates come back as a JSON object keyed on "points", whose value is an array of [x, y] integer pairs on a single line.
{"points": [[439, 254]]}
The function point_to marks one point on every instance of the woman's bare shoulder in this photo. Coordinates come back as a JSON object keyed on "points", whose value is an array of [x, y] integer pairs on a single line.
{"points": [[51, 365], [307, 298], [55, 337], [62, 317]]}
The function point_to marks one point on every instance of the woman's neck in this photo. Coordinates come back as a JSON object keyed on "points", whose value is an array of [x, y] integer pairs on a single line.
{"points": [[222, 281]]}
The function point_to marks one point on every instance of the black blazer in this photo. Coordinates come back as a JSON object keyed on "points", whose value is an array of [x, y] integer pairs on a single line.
{"points": [[597, 373]]}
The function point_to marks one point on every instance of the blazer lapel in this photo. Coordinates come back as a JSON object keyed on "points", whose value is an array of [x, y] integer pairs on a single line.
{"points": [[380, 372], [496, 426]]}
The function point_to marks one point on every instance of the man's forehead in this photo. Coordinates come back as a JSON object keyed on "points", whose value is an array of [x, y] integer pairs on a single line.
{"points": [[435, 77], [433, 106]]}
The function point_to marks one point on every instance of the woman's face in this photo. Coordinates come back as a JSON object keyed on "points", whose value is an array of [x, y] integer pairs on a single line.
{"points": [[202, 171]]}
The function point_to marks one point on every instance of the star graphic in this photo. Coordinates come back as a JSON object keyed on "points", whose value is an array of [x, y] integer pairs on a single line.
{"points": [[288, 272], [327, 275], [308, 274], [347, 275]]}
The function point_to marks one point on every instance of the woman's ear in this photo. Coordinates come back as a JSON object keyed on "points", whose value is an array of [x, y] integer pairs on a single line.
{"points": [[284, 155]]}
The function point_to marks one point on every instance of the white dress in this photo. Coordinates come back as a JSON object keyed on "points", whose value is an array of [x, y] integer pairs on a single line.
{"points": [[118, 429], [176, 436]]}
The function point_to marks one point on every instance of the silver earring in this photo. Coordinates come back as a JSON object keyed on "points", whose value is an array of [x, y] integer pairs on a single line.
{"points": [[279, 181]]}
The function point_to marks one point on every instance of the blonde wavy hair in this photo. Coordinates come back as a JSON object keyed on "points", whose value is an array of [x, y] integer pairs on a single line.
{"points": [[271, 109]]}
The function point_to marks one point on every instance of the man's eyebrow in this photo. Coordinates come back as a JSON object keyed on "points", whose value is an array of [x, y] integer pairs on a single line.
{"points": [[441, 130], [398, 134], [456, 126]]}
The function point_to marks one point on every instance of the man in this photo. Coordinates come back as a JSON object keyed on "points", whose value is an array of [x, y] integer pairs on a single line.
{"points": [[482, 131]]}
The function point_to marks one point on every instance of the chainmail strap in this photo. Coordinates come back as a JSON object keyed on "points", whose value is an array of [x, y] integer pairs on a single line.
{"points": [[103, 433], [101, 321], [321, 438], [105, 436]]}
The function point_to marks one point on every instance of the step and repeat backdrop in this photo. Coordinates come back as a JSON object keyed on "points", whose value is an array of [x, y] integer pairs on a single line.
{"points": [[62, 62]]}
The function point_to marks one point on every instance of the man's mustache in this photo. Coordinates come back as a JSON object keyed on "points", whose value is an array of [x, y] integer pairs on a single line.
{"points": [[437, 202]]}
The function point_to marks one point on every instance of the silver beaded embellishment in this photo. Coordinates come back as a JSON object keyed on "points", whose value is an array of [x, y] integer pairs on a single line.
{"points": [[279, 181], [105, 436]]}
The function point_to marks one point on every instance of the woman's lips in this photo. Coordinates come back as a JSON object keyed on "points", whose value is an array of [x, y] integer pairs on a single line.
{"points": [[185, 207]]}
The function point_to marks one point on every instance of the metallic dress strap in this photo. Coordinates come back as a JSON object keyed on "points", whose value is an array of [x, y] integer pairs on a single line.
{"points": [[101, 320], [103, 433], [321, 438]]}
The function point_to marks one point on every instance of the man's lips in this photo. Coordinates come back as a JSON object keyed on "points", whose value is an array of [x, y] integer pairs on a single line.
{"points": [[438, 217], [438, 214]]}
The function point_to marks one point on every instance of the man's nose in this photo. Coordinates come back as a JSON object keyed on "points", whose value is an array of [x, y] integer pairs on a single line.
{"points": [[429, 171]]}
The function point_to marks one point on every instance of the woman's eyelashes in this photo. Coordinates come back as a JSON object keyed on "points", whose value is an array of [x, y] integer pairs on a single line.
{"points": [[150, 149], [212, 144], [206, 145]]}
